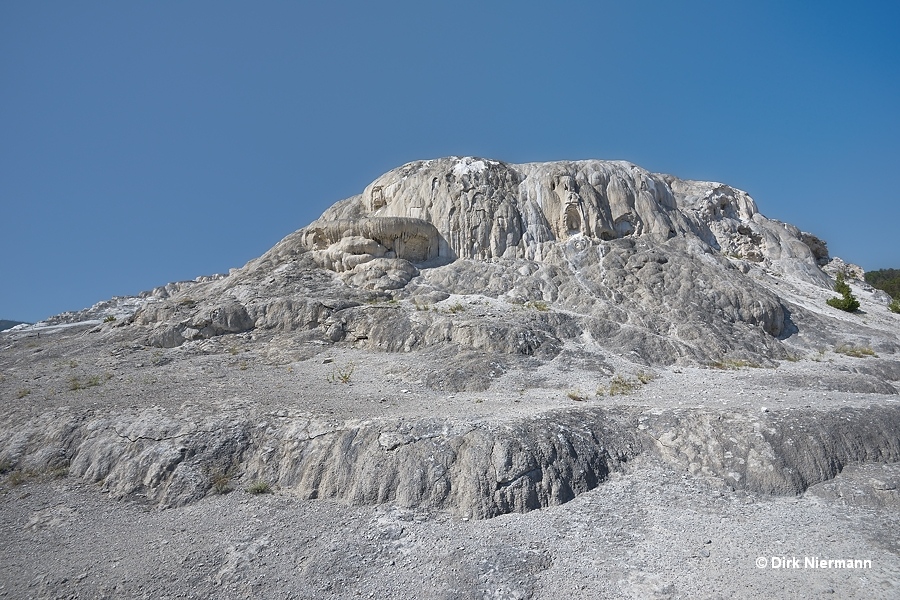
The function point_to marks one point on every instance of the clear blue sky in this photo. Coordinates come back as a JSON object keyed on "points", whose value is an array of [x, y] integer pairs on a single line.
{"points": [[148, 142]]}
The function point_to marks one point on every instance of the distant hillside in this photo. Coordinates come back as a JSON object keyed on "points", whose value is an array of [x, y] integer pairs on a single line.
{"points": [[885, 279], [4, 324]]}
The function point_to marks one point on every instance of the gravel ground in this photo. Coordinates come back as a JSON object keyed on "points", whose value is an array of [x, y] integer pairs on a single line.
{"points": [[650, 531]]}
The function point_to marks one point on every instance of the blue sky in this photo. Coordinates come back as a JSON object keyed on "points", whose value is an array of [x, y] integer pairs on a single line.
{"points": [[142, 143]]}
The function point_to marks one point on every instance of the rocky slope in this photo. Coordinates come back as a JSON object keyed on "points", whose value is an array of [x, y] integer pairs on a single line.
{"points": [[472, 339], [675, 272], [7, 324]]}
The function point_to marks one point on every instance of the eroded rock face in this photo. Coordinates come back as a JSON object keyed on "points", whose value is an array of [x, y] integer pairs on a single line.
{"points": [[489, 209], [619, 258], [170, 331], [473, 470], [537, 282]]}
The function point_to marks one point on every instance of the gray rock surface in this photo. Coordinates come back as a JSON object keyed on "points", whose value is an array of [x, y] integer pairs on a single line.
{"points": [[679, 272], [474, 379]]}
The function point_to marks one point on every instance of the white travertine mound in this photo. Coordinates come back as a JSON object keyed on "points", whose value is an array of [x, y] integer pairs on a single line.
{"points": [[614, 257], [467, 338], [487, 209]]}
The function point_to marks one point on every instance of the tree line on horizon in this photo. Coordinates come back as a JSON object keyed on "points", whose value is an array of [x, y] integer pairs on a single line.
{"points": [[6, 324], [886, 280]]}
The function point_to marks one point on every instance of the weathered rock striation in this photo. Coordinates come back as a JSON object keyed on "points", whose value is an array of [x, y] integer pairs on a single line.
{"points": [[539, 276], [624, 259], [477, 470]]}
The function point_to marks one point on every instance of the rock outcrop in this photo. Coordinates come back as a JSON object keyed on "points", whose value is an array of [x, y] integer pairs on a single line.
{"points": [[618, 257], [471, 469], [484, 209], [507, 283]]}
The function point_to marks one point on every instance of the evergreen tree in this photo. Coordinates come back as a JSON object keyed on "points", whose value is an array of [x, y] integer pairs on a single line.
{"points": [[846, 302]]}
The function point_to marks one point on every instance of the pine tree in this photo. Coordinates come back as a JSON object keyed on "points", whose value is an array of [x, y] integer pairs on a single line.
{"points": [[846, 302]]}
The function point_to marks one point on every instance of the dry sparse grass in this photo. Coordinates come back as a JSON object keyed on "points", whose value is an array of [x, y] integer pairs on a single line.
{"points": [[341, 374], [576, 395], [457, 308], [76, 383], [221, 482], [19, 476], [620, 385], [260, 487], [854, 351], [538, 305], [645, 377]]}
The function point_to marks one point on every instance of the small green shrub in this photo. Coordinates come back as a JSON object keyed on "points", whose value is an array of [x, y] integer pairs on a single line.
{"points": [[260, 487], [109, 319], [854, 351], [847, 302], [894, 306]]}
